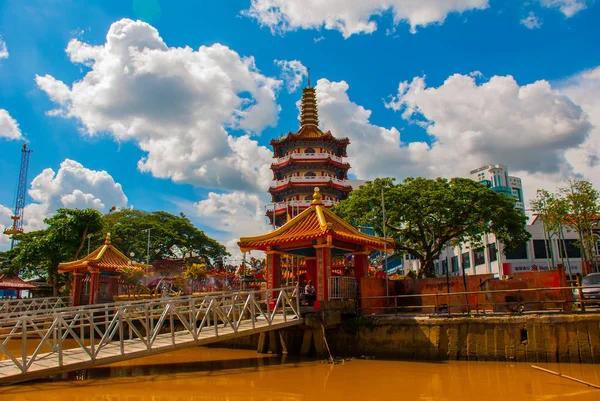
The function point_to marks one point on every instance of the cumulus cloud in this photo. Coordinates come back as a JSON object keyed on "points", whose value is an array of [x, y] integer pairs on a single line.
{"points": [[584, 88], [3, 49], [179, 105], [531, 128], [568, 7], [5, 222], [355, 16], [531, 21], [72, 186], [9, 128], [235, 214], [292, 73], [529, 125]]}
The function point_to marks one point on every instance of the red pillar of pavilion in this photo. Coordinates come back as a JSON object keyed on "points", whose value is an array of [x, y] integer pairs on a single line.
{"points": [[76, 288], [311, 269], [361, 264], [273, 266], [113, 286], [323, 272], [94, 286]]}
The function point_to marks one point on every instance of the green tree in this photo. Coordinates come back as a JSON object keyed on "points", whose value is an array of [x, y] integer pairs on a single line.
{"points": [[39, 252], [583, 208], [170, 236], [424, 216], [195, 272]]}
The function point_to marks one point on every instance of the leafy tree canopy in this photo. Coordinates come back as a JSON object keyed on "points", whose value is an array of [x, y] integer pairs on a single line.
{"points": [[39, 252], [65, 239], [170, 236], [424, 216]]}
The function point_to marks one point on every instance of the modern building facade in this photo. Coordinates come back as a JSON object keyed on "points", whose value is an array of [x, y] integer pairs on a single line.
{"points": [[538, 254], [304, 160], [495, 177]]}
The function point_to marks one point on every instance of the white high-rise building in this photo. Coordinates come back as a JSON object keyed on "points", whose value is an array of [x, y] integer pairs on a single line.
{"points": [[495, 177]]}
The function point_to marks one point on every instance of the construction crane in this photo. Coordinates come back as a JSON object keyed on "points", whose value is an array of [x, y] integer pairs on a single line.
{"points": [[17, 217]]}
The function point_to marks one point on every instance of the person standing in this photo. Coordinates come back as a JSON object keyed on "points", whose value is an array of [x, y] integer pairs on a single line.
{"points": [[310, 293]]}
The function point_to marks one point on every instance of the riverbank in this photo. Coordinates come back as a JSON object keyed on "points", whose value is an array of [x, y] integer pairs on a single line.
{"points": [[524, 338]]}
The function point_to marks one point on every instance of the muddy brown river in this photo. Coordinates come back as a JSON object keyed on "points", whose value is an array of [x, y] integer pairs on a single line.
{"points": [[215, 374]]}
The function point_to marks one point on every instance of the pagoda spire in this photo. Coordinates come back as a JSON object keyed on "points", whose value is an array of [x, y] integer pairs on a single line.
{"points": [[309, 114]]}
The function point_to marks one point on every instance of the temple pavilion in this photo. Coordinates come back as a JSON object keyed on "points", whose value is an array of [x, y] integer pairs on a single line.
{"points": [[318, 236], [96, 277], [306, 159]]}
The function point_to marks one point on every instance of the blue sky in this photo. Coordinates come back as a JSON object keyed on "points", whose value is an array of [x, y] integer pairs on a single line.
{"points": [[204, 153]]}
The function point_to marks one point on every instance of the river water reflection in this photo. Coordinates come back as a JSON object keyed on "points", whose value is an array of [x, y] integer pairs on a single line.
{"points": [[213, 374]]}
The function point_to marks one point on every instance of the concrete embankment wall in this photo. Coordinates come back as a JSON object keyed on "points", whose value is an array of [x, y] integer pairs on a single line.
{"points": [[530, 338]]}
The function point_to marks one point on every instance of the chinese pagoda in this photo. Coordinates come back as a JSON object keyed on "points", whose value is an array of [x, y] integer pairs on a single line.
{"points": [[304, 160]]}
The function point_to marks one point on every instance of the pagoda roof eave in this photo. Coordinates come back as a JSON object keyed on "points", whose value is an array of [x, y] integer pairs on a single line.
{"points": [[300, 162], [329, 185], [309, 133], [104, 258], [314, 223]]}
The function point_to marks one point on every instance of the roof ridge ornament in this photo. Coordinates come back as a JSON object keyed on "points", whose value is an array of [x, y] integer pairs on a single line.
{"points": [[317, 197], [107, 240]]}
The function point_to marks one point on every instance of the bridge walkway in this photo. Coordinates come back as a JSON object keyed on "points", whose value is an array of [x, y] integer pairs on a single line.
{"points": [[75, 340]]}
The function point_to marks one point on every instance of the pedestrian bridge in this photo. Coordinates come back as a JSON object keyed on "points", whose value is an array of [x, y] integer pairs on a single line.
{"points": [[50, 342]]}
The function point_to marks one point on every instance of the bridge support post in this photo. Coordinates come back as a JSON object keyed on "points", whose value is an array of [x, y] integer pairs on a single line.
{"points": [[272, 342]]}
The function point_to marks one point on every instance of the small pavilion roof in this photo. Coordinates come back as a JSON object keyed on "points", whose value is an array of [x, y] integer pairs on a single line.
{"points": [[313, 223], [104, 258], [14, 283]]}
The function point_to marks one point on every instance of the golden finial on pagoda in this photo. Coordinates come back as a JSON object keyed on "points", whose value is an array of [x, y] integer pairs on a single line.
{"points": [[107, 240], [316, 197], [308, 69]]}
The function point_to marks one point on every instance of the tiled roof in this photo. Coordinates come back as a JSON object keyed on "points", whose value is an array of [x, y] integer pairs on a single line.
{"points": [[14, 283], [313, 223], [104, 258]]}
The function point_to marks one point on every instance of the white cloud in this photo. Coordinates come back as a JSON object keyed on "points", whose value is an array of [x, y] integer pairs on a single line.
{"points": [[531, 128], [236, 214], [531, 21], [584, 88], [72, 186], [353, 16], [9, 128], [292, 73], [176, 104], [568, 7], [5, 221], [3, 49]]}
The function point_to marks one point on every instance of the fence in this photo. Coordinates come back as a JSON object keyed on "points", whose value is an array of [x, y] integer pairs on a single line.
{"points": [[342, 288], [555, 299]]}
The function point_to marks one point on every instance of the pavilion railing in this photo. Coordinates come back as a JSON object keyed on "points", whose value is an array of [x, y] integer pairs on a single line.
{"points": [[95, 328], [342, 288], [17, 307]]}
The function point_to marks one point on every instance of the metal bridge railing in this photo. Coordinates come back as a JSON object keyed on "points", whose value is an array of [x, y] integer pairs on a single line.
{"points": [[342, 288], [96, 328], [17, 307]]}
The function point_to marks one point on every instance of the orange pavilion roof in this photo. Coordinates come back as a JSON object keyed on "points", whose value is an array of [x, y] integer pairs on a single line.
{"points": [[104, 258], [314, 223]]}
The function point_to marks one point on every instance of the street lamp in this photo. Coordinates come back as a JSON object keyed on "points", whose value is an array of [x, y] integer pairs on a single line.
{"points": [[147, 255], [89, 236]]}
